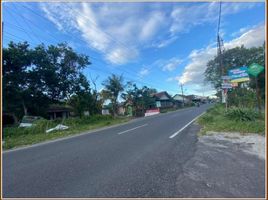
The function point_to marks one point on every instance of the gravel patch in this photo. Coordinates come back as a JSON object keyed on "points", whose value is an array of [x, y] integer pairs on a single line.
{"points": [[250, 143]]}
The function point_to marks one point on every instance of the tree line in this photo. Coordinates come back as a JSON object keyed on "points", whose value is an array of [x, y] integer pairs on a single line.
{"points": [[35, 78]]}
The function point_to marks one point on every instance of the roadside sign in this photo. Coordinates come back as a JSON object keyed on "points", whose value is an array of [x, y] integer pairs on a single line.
{"points": [[234, 84], [226, 85], [239, 74], [255, 69], [225, 77]]}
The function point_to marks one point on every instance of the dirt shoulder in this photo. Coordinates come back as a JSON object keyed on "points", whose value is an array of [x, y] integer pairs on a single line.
{"points": [[225, 165]]}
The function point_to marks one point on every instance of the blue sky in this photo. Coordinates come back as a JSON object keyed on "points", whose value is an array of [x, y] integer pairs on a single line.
{"points": [[161, 45]]}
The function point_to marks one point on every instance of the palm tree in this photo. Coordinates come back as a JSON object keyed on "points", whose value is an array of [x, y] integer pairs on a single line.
{"points": [[113, 85]]}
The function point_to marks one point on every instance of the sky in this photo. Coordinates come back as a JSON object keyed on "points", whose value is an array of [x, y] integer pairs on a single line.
{"points": [[158, 45]]}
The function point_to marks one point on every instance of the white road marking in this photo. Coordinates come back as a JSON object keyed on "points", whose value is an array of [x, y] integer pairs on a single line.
{"points": [[173, 135], [132, 129]]}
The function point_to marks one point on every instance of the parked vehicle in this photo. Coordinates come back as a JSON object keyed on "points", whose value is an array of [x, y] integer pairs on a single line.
{"points": [[28, 121]]}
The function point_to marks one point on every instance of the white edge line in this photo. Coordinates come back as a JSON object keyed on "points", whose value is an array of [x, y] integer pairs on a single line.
{"points": [[132, 129], [173, 135]]}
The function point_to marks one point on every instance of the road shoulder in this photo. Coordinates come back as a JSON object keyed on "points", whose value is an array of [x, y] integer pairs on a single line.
{"points": [[225, 165]]}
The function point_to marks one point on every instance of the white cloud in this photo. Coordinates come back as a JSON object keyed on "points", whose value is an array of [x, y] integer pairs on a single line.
{"points": [[143, 72], [170, 79], [117, 33], [164, 43], [193, 74], [120, 30], [185, 17], [171, 64]]}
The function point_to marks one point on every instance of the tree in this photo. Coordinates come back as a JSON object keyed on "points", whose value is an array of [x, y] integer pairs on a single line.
{"points": [[82, 99], [113, 85], [140, 98], [35, 78], [16, 62], [58, 68]]}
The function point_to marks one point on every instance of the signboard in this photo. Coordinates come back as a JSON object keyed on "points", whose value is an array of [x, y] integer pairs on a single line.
{"points": [[225, 77], [239, 74], [158, 104], [223, 96], [226, 85], [234, 84], [255, 69]]}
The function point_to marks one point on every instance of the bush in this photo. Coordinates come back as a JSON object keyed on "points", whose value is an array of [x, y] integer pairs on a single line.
{"points": [[241, 114], [38, 127], [216, 110], [207, 118]]}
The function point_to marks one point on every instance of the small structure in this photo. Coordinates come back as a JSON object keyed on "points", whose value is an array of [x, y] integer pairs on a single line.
{"points": [[106, 109], [151, 112], [163, 100], [181, 100], [121, 109], [59, 111]]}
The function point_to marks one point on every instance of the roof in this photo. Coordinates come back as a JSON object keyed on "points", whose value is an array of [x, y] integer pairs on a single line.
{"points": [[59, 108], [162, 95]]}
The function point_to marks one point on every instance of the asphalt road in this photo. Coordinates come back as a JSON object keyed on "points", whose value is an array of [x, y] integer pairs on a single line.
{"points": [[137, 159]]}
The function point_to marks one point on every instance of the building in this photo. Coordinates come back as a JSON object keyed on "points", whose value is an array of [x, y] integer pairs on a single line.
{"points": [[181, 100], [59, 111], [163, 100]]}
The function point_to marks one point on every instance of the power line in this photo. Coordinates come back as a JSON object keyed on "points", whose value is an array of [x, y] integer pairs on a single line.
{"points": [[126, 71], [106, 33], [14, 17], [128, 78]]}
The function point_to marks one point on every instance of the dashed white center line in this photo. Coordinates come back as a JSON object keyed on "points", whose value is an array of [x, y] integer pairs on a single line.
{"points": [[132, 129], [173, 135]]}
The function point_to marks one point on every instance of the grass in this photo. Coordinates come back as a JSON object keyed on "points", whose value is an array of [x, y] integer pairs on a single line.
{"points": [[16, 137], [241, 120]]}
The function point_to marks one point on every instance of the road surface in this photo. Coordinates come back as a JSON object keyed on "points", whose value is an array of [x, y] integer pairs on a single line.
{"points": [[143, 158]]}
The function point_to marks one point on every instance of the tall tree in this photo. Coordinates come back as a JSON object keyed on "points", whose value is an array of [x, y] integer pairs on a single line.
{"points": [[59, 67], [140, 98], [113, 85], [16, 61], [34, 78]]}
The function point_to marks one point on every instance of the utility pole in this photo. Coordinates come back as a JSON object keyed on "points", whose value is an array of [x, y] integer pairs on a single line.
{"points": [[219, 52], [182, 95]]}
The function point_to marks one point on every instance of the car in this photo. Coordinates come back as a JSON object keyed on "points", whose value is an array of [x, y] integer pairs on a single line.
{"points": [[28, 121]]}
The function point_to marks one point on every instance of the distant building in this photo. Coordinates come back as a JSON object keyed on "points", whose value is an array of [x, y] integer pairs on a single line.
{"points": [[106, 109], [59, 111], [121, 109], [179, 100], [163, 100]]}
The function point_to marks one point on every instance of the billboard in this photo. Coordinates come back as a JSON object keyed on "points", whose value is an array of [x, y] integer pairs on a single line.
{"points": [[238, 74]]}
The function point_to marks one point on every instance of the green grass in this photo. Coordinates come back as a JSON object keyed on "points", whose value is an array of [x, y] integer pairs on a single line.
{"points": [[243, 121], [15, 137]]}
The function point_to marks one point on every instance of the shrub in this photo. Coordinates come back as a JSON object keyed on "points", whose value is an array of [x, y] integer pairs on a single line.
{"points": [[38, 126], [217, 109], [241, 114], [207, 118]]}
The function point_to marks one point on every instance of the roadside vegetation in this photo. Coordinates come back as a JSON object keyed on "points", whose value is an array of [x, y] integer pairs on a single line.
{"points": [[235, 119], [242, 114], [18, 136]]}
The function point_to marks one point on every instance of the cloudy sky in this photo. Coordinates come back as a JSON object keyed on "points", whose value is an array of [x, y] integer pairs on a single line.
{"points": [[160, 45]]}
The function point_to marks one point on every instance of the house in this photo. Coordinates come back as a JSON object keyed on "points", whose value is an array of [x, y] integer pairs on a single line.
{"points": [[59, 111], [163, 100], [106, 109], [121, 109], [181, 100]]}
